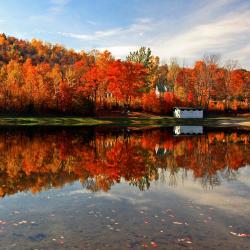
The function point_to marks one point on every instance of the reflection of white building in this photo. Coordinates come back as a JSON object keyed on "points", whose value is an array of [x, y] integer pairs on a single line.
{"points": [[188, 112], [188, 130]]}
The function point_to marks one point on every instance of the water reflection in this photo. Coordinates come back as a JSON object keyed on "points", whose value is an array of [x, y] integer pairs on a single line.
{"points": [[38, 159], [188, 130]]}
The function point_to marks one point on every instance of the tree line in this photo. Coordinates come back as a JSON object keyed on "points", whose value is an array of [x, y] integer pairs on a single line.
{"points": [[41, 78]]}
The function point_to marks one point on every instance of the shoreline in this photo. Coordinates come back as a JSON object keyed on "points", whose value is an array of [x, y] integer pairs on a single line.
{"points": [[156, 121]]}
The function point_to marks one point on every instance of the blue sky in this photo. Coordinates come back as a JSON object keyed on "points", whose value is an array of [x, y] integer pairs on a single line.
{"points": [[185, 29]]}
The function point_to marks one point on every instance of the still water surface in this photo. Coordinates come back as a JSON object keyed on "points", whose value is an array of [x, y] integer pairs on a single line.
{"points": [[116, 188]]}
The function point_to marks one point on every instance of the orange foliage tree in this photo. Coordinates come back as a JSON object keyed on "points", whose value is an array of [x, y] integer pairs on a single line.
{"points": [[41, 78]]}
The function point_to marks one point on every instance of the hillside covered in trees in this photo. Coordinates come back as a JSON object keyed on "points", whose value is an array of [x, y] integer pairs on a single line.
{"points": [[40, 78]]}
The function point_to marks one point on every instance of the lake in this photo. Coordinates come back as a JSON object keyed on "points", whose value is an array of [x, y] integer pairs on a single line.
{"points": [[124, 188]]}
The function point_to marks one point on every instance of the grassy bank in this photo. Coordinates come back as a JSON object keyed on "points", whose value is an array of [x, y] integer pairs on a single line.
{"points": [[124, 121]]}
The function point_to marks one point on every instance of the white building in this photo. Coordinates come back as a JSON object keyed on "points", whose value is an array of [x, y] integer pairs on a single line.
{"points": [[160, 90], [188, 112]]}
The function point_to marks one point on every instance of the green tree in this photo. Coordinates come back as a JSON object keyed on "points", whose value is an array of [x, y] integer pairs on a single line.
{"points": [[151, 63]]}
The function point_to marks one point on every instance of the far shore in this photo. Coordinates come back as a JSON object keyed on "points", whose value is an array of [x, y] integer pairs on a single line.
{"points": [[132, 119]]}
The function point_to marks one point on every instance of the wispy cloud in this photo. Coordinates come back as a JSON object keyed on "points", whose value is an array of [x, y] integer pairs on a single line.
{"points": [[92, 37], [57, 6], [91, 22], [225, 34], [183, 29], [137, 28], [217, 36], [242, 55]]}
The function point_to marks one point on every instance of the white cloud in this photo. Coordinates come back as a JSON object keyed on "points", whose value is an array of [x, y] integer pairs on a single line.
{"points": [[91, 37], [59, 2], [137, 28], [210, 35], [91, 22], [225, 197], [57, 6], [211, 27], [119, 51], [218, 36], [242, 55], [141, 24]]}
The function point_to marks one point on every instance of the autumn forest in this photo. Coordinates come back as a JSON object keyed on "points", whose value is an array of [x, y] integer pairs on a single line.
{"points": [[40, 78]]}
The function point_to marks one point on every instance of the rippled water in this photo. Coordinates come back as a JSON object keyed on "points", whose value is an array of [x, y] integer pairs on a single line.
{"points": [[120, 188]]}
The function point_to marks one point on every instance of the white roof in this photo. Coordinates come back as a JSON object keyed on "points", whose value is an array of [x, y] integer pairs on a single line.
{"points": [[188, 108]]}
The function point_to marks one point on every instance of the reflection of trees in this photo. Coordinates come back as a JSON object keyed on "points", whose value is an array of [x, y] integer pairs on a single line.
{"points": [[43, 159], [210, 181], [229, 174]]}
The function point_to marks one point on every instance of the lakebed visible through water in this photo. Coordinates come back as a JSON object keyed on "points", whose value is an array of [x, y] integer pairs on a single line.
{"points": [[124, 188]]}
